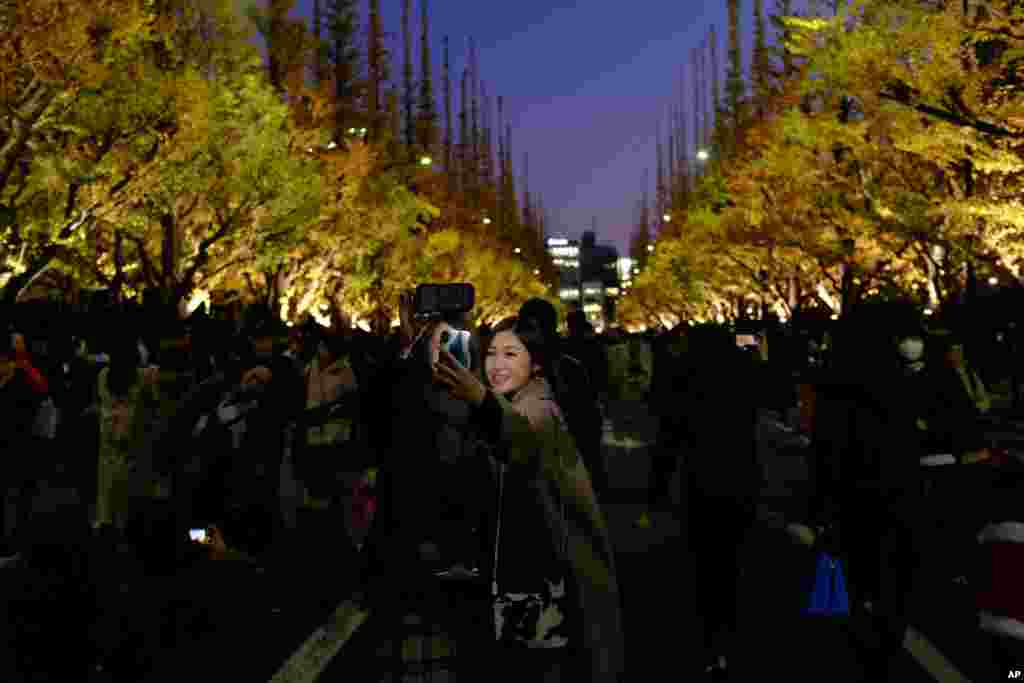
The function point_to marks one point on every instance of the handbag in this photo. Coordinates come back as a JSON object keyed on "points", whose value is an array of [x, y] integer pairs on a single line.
{"points": [[828, 595], [530, 619]]}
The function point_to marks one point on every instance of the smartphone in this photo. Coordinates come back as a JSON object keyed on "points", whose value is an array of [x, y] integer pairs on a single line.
{"points": [[456, 342], [745, 340], [197, 535]]}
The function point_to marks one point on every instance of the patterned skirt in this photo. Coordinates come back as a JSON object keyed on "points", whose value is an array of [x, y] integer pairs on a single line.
{"points": [[536, 620]]}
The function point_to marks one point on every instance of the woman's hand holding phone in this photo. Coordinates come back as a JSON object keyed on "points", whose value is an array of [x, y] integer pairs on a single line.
{"points": [[462, 384]]}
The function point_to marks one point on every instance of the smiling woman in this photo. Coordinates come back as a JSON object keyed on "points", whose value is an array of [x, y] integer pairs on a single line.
{"points": [[554, 586], [509, 365]]}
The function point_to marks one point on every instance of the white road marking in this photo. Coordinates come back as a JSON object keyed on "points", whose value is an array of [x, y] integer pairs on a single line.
{"points": [[929, 657], [309, 661]]}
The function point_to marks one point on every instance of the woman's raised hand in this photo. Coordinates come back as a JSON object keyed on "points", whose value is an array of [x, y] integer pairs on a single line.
{"points": [[462, 384]]}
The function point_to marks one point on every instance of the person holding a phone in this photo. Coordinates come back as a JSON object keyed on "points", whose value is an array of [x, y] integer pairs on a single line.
{"points": [[424, 519], [554, 579]]}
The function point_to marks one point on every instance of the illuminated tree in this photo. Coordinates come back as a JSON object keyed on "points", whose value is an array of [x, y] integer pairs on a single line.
{"points": [[89, 91]]}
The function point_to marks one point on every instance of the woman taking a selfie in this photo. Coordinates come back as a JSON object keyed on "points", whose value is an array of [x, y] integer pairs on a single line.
{"points": [[556, 595]]}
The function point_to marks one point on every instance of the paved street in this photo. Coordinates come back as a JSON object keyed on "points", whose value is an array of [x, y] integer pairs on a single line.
{"points": [[775, 640]]}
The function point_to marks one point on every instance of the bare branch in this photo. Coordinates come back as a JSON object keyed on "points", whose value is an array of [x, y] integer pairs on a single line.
{"points": [[948, 116], [14, 147]]}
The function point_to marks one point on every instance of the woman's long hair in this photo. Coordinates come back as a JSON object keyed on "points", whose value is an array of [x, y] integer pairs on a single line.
{"points": [[543, 352]]}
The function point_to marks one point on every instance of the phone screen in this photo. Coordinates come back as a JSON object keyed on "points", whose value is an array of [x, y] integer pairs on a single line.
{"points": [[458, 346], [456, 342], [197, 535]]}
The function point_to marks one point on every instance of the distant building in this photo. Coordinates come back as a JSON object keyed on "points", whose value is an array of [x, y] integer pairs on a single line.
{"points": [[588, 276], [627, 269]]}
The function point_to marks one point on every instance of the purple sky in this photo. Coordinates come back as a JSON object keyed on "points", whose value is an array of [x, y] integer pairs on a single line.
{"points": [[584, 84]]}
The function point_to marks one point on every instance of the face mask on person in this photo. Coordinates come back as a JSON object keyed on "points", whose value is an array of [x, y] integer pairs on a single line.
{"points": [[911, 349]]}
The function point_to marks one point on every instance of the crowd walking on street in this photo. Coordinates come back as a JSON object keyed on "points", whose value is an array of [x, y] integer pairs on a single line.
{"points": [[136, 441]]}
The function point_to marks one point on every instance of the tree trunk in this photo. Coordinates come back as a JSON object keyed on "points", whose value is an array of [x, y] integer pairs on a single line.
{"points": [[20, 282], [847, 290], [971, 291], [118, 282], [168, 252], [934, 292]]}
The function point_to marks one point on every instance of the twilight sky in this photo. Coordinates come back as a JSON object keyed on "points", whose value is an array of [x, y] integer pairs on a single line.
{"points": [[584, 85]]}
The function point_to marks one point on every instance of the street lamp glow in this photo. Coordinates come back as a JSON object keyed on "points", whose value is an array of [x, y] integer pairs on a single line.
{"points": [[426, 161], [993, 281], [650, 247], [487, 221], [518, 250], [536, 271], [667, 218], [703, 155], [352, 131], [332, 144]]}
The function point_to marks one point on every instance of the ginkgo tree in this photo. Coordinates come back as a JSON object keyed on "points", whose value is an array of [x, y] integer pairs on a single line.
{"points": [[146, 146], [97, 94], [937, 97], [233, 191], [57, 61], [888, 163]]}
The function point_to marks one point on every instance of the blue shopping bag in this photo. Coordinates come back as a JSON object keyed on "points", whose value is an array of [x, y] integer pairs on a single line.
{"points": [[828, 591]]}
